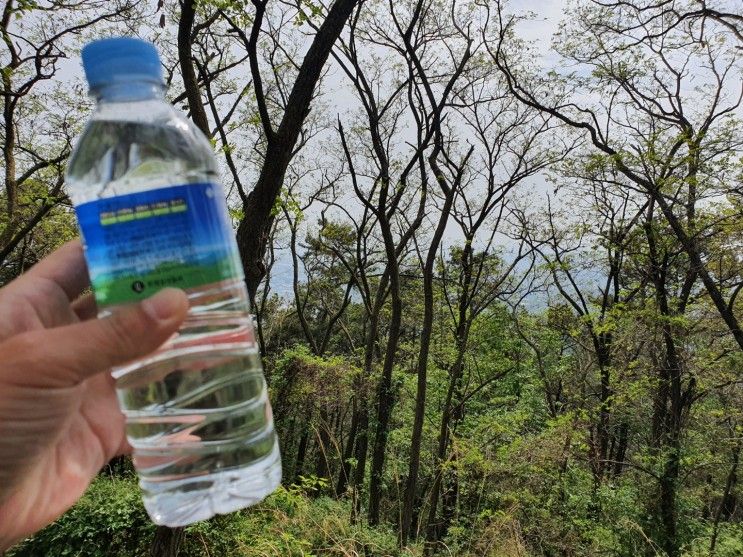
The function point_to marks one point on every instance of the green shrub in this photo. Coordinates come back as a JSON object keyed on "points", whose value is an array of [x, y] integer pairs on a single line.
{"points": [[110, 521], [729, 542]]}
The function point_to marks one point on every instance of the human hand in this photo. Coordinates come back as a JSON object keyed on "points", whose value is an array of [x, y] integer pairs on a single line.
{"points": [[59, 416]]}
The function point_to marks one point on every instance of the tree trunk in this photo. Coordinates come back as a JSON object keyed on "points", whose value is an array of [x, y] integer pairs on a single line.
{"points": [[253, 230], [190, 83], [360, 452], [449, 497], [603, 354], [301, 452], [621, 449], [727, 503], [433, 529], [8, 152], [346, 468], [422, 368], [167, 542], [361, 447], [322, 468], [385, 396], [667, 503], [671, 403]]}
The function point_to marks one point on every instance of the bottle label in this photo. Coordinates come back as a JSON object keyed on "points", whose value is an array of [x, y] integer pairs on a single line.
{"points": [[139, 243]]}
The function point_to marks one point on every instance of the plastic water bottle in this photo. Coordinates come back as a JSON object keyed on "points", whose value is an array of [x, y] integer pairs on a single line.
{"points": [[145, 185]]}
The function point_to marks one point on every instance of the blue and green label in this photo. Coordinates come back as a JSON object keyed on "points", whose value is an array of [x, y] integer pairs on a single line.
{"points": [[139, 243]]}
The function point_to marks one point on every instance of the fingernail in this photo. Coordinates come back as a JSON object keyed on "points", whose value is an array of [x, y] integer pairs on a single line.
{"points": [[163, 305]]}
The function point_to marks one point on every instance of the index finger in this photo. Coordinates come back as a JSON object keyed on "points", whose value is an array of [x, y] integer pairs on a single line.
{"points": [[66, 268]]}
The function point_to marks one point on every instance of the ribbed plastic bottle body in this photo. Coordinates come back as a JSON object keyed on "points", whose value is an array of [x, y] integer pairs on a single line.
{"points": [[152, 214]]}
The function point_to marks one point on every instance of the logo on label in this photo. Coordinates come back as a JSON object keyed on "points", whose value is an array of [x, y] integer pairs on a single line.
{"points": [[141, 242]]}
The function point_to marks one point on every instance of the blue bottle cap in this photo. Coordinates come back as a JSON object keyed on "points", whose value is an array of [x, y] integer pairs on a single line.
{"points": [[121, 60]]}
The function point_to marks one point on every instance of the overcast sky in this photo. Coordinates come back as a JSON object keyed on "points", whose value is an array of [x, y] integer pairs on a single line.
{"points": [[541, 29], [537, 32]]}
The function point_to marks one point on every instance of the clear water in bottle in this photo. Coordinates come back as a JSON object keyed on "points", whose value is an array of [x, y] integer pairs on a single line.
{"points": [[152, 214]]}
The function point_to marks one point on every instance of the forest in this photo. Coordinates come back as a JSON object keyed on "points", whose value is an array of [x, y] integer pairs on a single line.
{"points": [[494, 250]]}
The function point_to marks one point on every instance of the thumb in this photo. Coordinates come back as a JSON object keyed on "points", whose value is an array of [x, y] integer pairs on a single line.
{"points": [[65, 356]]}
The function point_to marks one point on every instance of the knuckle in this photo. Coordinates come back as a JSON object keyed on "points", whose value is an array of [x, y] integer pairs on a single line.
{"points": [[24, 356], [24, 343]]}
